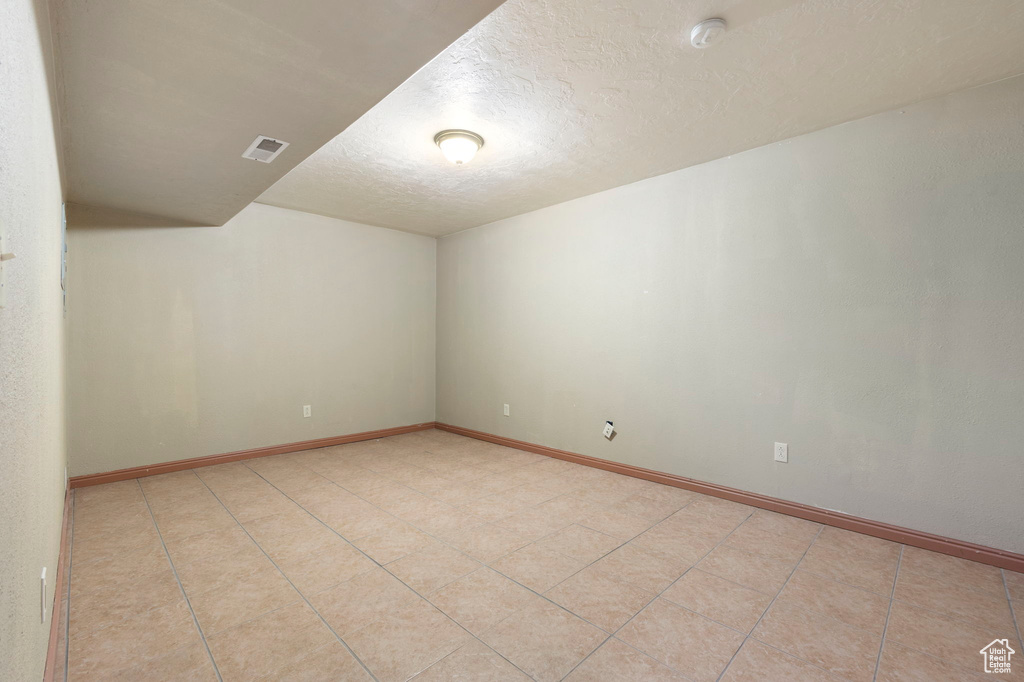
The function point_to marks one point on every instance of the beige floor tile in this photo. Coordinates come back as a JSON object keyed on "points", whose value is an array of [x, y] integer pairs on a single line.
{"points": [[488, 542], [536, 568], [847, 604], [95, 654], [667, 541], [693, 522], [597, 598], [188, 664], [432, 568], [332, 662], [482, 598], [274, 640], [114, 543], [1015, 585], [618, 662], [757, 572], [682, 640], [780, 524], [720, 600], [407, 642], [534, 523], [647, 571], [582, 544], [88, 525], [110, 572], [544, 641], [317, 572], [756, 662], [182, 523], [763, 542], [858, 544], [394, 541], [474, 662], [900, 664], [209, 543], [358, 602], [617, 524], [965, 574], [240, 600], [876, 575], [953, 641], [843, 650], [220, 570], [120, 603], [963, 603]]}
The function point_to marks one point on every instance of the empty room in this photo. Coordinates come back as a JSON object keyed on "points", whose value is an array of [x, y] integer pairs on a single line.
{"points": [[483, 341]]}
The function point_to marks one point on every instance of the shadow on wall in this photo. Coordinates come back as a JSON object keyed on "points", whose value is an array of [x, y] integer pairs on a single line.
{"points": [[85, 217]]}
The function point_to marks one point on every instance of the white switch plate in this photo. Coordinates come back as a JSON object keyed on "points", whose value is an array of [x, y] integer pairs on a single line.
{"points": [[42, 596], [781, 452], [506, 409], [307, 410]]}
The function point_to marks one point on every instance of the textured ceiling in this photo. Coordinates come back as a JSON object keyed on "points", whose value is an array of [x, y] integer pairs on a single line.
{"points": [[161, 97], [577, 96]]}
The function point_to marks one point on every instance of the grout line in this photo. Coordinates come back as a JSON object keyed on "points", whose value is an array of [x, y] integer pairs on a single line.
{"points": [[174, 570], [1013, 612], [67, 616], [888, 613], [770, 605], [385, 568], [297, 590]]}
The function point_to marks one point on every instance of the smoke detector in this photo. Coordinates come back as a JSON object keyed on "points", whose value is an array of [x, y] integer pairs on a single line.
{"points": [[707, 32], [264, 149]]}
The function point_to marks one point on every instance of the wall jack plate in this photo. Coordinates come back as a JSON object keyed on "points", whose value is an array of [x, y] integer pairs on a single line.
{"points": [[609, 430]]}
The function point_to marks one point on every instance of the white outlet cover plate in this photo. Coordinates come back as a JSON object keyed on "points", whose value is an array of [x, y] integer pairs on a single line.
{"points": [[781, 452]]}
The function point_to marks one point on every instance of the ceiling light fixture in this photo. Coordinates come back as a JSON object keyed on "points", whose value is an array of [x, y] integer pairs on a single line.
{"points": [[458, 146], [706, 32]]}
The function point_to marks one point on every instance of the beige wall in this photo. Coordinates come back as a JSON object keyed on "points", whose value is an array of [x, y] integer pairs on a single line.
{"points": [[857, 292], [192, 341], [31, 340]]}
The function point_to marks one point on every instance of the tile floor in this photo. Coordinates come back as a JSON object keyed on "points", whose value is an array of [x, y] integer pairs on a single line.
{"points": [[436, 557]]}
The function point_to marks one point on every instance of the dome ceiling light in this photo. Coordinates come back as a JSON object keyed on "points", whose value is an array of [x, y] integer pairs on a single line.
{"points": [[458, 146]]}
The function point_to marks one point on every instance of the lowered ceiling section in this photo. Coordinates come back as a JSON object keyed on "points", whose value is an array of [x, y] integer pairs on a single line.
{"points": [[161, 98]]}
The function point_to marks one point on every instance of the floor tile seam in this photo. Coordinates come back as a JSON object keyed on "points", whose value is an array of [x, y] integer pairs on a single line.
{"points": [[421, 596], [768, 608], [188, 603], [953, 617], [669, 586], [948, 582], [1013, 611], [299, 592], [888, 614], [70, 566]]}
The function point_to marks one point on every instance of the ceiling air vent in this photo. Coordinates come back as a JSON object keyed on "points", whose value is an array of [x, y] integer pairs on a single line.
{"points": [[264, 149]]}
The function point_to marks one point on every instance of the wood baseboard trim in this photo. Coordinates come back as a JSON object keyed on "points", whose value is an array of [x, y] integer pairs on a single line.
{"points": [[210, 460], [52, 650], [906, 536]]}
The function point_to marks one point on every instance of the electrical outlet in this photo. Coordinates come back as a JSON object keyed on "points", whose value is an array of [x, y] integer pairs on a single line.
{"points": [[781, 452], [42, 596], [307, 410], [609, 429], [506, 409]]}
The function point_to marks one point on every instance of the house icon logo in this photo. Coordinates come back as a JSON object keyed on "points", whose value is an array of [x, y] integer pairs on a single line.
{"points": [[997, 656]]}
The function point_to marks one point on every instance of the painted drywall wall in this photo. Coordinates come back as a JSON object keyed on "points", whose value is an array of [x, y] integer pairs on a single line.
{"points": [[193, 341], [31, 340], [857, 293]]}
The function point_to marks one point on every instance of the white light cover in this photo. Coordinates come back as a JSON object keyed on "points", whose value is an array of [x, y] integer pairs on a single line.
{"points": [[459, 148]]}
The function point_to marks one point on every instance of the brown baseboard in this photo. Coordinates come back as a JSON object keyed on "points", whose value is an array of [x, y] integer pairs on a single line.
{"points": [[210, 460], [52, 650], [906, 536]]}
